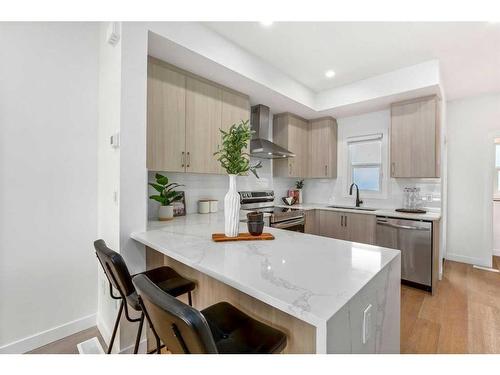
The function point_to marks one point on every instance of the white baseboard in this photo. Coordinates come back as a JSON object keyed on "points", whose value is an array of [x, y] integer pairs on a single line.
{"points": [[46, 337], [469, 260]]}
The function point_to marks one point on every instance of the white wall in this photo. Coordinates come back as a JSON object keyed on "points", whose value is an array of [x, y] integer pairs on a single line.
{"points": [[334, 191], [472, 125], [48, 174], [108, 172]]}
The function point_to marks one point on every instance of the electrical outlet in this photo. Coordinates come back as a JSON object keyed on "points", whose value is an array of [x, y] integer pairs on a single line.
{"points": [[367, 323]]}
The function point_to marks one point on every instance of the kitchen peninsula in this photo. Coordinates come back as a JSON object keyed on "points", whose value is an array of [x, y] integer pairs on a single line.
{"points": [[327, 295]]}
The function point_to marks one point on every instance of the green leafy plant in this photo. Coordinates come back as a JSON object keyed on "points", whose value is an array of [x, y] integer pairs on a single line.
{"points": [[299, 184], [231, 155], [167, 194]]}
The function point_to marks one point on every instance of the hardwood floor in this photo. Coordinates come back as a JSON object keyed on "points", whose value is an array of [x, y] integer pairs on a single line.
{"points": [[462, 317], [67, 345]]}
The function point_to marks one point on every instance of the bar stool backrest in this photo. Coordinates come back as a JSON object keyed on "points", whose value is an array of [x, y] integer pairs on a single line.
{"points": [[182, 328], [115, 268]]}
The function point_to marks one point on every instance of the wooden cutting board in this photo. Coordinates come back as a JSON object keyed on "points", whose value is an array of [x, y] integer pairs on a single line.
{"points": [[221, 237]]}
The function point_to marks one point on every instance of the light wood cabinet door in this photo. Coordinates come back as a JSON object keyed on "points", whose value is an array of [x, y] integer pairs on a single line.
{"points": [[360, 227], [415, 137], [235, 108], [203, 121], [292, 133], [311, 225], [323, 148], [166, 120], [331, 224]]}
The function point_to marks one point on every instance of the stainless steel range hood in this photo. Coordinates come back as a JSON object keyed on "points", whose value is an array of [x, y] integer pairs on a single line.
{"points": [[260, 146]]}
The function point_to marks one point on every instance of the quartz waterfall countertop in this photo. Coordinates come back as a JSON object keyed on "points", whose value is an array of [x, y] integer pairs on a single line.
{"points": [[430, 215], [309, 277]]}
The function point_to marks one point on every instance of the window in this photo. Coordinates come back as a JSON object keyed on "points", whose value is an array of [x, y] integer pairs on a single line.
{"points": [[497, 170], [365, 162]]}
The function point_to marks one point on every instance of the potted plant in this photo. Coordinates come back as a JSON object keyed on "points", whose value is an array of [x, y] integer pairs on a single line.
{"points": [[236, 162], [299, 185], [167, 196]]}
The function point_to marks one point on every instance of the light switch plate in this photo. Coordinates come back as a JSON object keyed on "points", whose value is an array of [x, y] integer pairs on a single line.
{"points": [[367, 323], [114, 140]]}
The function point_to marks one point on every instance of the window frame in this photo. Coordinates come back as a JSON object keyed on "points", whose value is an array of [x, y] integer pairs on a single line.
{"points": [[496, 191], [383, 181]]}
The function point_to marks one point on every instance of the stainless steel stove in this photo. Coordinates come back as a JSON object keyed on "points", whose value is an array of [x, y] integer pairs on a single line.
{"points": [[281, 217]]}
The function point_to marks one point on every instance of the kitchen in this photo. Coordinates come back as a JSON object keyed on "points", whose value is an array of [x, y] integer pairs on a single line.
{"points": [[349, 239], [179, 103]]}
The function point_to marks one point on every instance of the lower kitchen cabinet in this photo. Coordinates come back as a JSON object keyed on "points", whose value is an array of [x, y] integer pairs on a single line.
{"points": [[341, 225], [360, 227], [311, 225], [331, 224]]}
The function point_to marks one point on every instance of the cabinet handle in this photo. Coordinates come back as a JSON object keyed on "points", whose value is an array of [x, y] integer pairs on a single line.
{"points": [[326, 170], [341, 220], [290, 168], [188, 159], [393, 168], [183, 159], [345, 221]]}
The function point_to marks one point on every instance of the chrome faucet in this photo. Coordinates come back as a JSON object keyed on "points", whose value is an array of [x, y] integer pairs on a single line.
{"points": [[358, 201]]}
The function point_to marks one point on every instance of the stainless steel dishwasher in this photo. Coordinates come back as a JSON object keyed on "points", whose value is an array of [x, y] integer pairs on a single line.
{"points": [[414, 239]]}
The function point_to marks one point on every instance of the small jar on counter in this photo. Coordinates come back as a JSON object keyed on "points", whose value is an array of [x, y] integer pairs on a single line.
{"points": [[214, 205], [203, 206]]}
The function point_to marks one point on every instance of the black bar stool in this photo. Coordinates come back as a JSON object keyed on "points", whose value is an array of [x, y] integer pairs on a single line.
{"points": [[220, 328], [165, 278]]}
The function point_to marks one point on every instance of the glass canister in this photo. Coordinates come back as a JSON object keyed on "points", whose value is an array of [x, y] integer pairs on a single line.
{"points": [[406, 198], [412, 197]]}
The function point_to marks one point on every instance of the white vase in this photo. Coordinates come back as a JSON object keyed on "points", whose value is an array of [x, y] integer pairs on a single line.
{"points": [[300, 197], [166, 213], [232, 209]]}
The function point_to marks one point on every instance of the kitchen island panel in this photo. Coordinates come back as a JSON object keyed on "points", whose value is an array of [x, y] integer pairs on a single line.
{"points": [[301, 336], [346, 328]]}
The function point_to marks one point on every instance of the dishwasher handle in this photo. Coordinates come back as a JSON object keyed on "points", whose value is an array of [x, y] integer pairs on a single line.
{"points": [[387, 224]]}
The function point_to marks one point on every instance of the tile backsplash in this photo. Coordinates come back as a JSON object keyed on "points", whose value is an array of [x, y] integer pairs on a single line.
{"points": [[330, 191], [202, 186]]}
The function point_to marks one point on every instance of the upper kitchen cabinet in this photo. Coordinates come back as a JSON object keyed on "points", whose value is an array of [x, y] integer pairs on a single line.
{"points": [[415, 138], [322, 148], [203, 121], [185, 113], [235, 108], [291, 132], [166, 118]]}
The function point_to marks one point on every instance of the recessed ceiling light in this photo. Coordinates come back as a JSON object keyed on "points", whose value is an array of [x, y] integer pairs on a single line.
{"points": [[329, 74], [266, 23]]}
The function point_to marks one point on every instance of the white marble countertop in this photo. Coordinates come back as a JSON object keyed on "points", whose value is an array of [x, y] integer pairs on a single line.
{"points": [[309, 277], [429, 215]]}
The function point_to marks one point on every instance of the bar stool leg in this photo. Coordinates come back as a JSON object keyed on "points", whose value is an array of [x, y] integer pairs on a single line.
{"points": [[190, 299], [158, 345], [117, 323], [139, 331]]}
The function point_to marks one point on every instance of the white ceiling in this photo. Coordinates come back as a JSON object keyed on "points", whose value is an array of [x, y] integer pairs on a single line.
{"points": [[469, 52]]}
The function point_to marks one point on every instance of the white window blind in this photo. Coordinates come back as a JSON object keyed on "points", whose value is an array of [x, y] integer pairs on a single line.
{"points": [[366, 152]]}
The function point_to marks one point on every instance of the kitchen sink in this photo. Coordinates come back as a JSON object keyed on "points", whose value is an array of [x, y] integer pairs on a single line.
{"points": [[353, 208]]}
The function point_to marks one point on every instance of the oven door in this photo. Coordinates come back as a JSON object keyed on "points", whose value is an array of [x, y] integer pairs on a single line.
{"points": [[295, 225]]}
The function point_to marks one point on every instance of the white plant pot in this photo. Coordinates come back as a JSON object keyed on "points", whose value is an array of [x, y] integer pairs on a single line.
{"points": [[300, 197], [166, 213], [232, 209]]}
